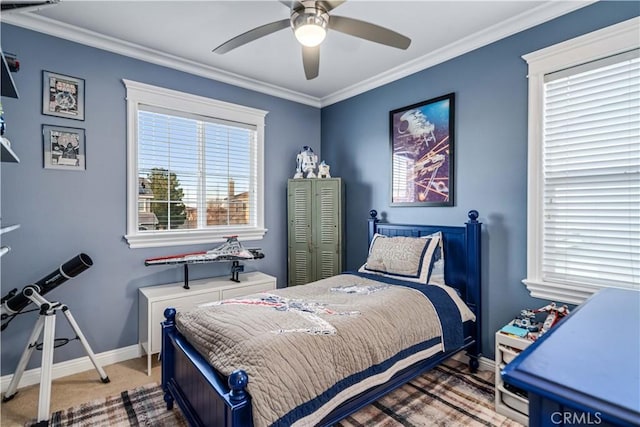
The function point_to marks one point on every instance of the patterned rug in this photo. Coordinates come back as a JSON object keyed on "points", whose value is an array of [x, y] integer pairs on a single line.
{"points": [[142, 406], [446, 396]]}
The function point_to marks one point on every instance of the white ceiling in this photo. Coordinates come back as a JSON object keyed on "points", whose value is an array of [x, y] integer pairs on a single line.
{"points": [[182, 34]]}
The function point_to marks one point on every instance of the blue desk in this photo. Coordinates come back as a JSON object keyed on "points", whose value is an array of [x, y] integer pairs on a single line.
{"points": [[585, 370]]}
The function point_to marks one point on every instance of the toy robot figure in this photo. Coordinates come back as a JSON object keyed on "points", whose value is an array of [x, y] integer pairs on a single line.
{"points": [[306, 163], [323, 170]]}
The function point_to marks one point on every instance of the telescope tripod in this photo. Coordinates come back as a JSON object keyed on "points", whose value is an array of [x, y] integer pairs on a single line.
{"points": [[47, 321]]}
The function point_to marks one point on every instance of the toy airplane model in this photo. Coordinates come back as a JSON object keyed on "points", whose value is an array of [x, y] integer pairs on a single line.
{"points": [[231, 250]]}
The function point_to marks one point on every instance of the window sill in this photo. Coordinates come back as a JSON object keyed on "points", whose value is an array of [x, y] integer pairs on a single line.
{"points": [[194, 237], [560, 292]]}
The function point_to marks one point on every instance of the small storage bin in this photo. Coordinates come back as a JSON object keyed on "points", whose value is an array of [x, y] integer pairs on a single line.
{"points": [[514, 402], [508, 353]]}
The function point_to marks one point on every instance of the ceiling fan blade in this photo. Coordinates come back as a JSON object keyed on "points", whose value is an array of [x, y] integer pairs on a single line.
{"points": [[329, 5], [311, 61], [252, 35], [26, 6], [368, 31]]}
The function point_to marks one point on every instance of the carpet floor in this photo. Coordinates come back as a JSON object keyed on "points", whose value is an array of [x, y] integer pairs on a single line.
{"points": [[447, 396]]}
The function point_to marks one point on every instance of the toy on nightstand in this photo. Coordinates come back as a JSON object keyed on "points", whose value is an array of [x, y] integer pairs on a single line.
{"points": [[554, 314], [527, 320]]}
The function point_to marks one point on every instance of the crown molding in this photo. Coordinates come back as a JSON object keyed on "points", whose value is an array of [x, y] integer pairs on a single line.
{"points": [[90, 38], [545, 12]]}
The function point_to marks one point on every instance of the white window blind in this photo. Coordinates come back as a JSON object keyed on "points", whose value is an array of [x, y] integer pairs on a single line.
{"points": [[195, 168], [591, 174], [197, 172]]}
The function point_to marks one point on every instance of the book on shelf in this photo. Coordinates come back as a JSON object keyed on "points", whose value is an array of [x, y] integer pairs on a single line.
{"points": [[514, 330]]}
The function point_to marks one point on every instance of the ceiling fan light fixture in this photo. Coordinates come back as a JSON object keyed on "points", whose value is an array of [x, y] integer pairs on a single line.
{"points": [[310, 35], [310, 26]]}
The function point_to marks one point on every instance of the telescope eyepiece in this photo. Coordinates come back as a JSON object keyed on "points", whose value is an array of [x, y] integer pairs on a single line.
{"points": [[11, 293]]}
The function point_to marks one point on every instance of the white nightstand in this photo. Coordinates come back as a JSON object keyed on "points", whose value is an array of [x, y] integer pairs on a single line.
{"points": [[153, 300], [508, 401]]}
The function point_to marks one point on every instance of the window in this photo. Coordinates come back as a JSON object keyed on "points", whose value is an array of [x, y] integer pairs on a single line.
{"points": [[583, 224], [195, 168]]}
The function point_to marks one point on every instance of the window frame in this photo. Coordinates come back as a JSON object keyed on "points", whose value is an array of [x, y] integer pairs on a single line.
{"points": [[138, 94], [605, 42]]}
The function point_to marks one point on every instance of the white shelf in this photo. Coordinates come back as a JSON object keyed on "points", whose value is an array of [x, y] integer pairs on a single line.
{"points": [[7, 153], [8, 85], [4, 250], [9, 228]]}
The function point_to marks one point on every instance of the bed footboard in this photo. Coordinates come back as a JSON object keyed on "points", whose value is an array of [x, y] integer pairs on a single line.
{"points": [[202, 394]]}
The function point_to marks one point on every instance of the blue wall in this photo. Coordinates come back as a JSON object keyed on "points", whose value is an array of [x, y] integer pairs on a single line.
{"points": [[490, 86], [64, 213]]}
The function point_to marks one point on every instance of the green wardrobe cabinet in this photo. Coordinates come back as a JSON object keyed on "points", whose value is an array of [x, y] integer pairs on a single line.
{"points": [[315, 213]]}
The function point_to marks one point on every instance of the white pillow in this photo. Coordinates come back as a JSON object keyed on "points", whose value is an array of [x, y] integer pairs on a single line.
{"points": [[437, 272], [405, 258]]}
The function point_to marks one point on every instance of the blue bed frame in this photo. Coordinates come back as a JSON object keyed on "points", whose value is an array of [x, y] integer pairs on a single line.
{"points": [[207, 398]]}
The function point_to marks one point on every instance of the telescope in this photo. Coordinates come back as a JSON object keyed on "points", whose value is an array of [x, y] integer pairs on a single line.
{"points": [[14, 302]]}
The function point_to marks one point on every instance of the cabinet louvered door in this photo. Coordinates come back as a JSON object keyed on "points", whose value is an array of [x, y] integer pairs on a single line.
{"points": [[315, 239], [299, 199], [327, 224]]}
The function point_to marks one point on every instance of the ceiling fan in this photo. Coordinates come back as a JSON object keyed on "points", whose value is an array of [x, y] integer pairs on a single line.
{"points": [[309, 21]]}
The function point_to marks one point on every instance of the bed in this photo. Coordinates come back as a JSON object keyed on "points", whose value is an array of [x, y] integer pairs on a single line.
{"points": [[200, 360]]}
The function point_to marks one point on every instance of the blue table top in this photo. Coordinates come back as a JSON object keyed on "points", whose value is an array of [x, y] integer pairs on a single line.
{"points": [[591, 360]]}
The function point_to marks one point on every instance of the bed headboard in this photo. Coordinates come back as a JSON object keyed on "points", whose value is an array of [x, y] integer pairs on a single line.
{"points": [[461, 254]]}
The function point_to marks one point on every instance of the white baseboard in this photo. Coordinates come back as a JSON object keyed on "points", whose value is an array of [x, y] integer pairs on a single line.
{"points": [[484, 363], [74, 366]]}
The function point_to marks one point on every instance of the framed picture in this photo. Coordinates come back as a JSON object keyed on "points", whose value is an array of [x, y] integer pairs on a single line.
{"points": [[62, 96], [422, 153], [64, 148]]}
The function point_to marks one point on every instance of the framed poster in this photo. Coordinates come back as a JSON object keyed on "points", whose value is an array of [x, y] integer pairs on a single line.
{"points": [[64, 148], [62, 96], [422, 143]]}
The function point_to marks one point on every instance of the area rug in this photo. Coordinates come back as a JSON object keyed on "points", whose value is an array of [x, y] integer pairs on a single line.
{"points": [[142, 406], [446, 396]]}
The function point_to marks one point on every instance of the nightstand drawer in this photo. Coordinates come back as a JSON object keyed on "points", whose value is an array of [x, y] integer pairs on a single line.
{"points": [[506, 354], [514, 401]]}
